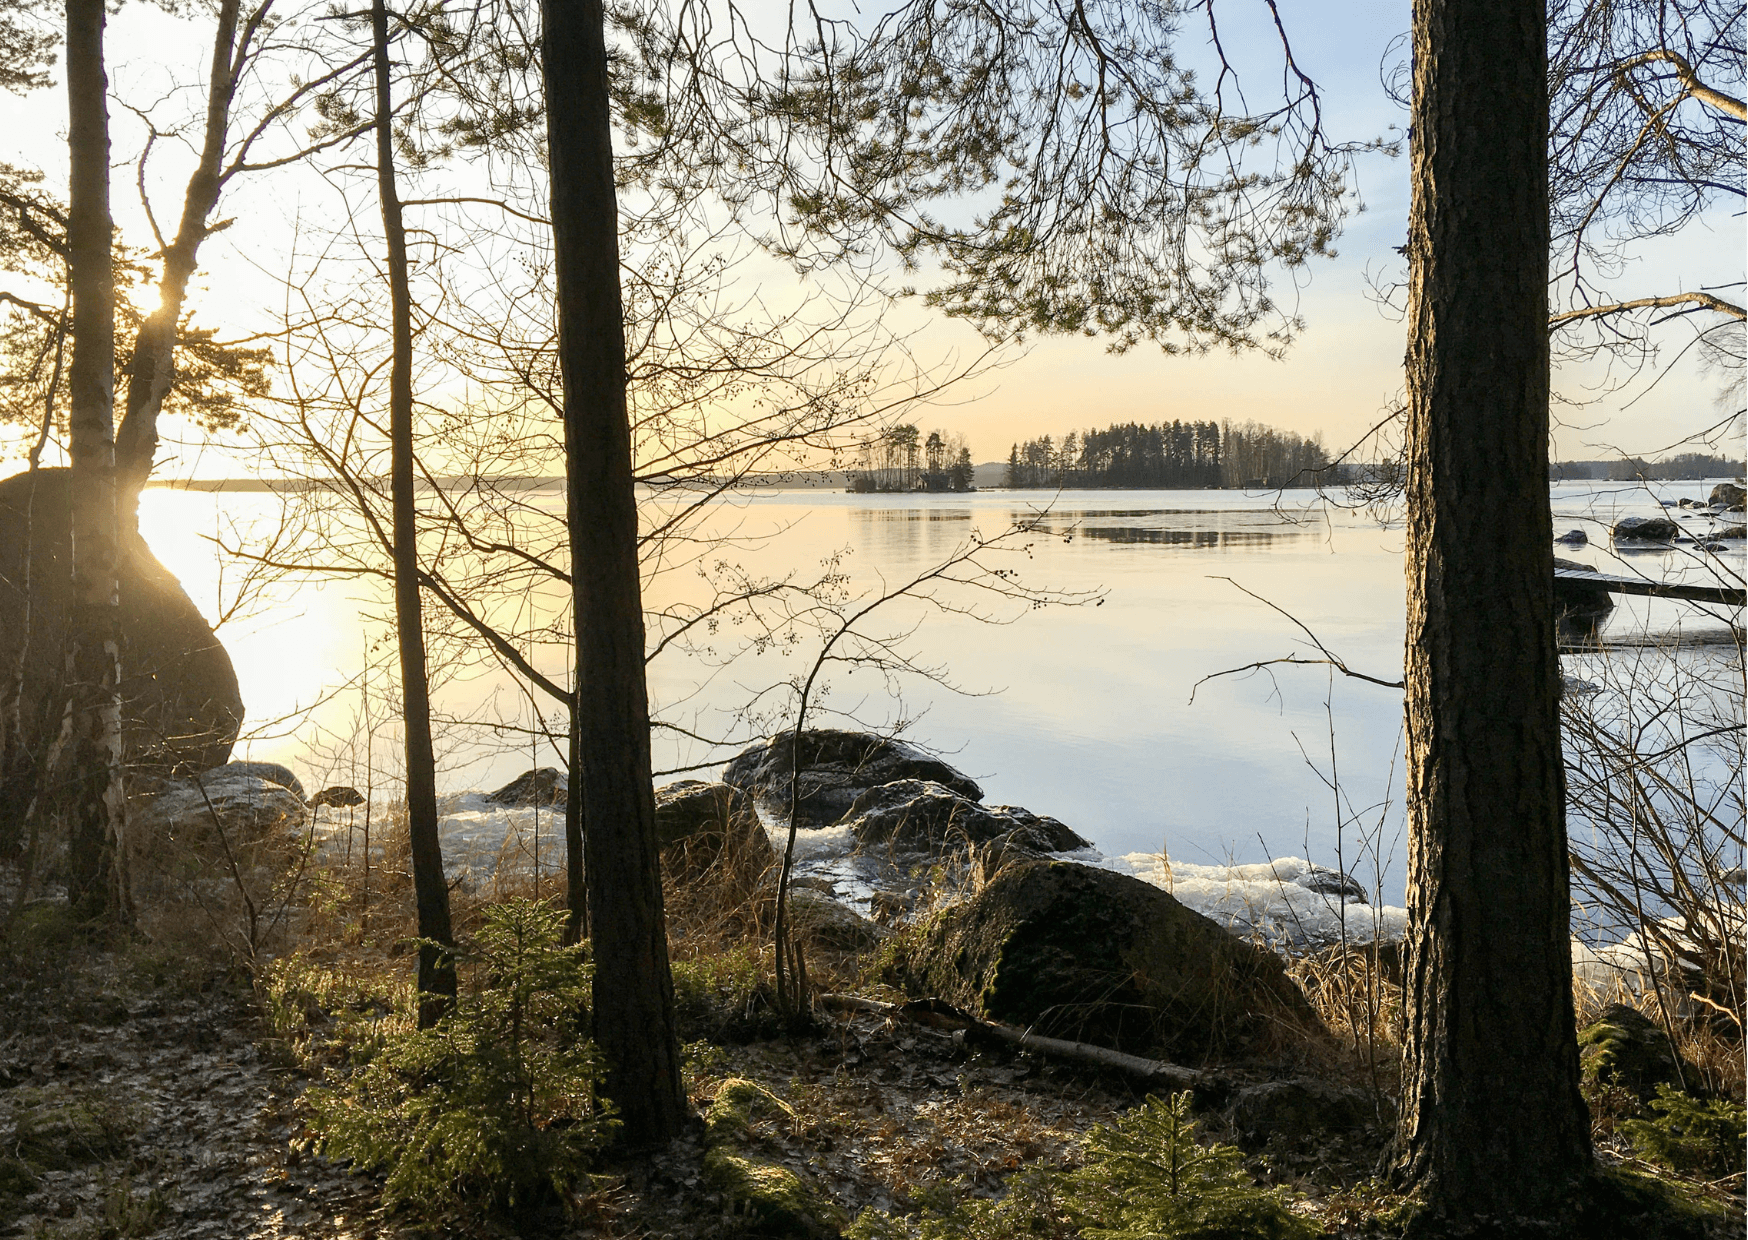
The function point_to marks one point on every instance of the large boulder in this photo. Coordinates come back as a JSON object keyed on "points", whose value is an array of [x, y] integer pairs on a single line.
{"points": [[1728, 496], [1646, 529], [183, 710], [836, 768], [919, 815], [245, 807], [1073, 951], [696, 821]]}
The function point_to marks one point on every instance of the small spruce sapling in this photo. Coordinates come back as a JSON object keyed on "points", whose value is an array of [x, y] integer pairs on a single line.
{"points": [[496, 1104]]}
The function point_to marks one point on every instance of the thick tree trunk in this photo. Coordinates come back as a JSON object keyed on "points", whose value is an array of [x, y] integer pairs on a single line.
{"points": [[152, 370], [90, 750], [633, 993], [1494, 1133], [576, 895], [430, 891]]}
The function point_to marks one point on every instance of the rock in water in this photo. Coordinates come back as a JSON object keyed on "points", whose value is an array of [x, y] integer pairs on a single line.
{"points": [[1646, 529], [1729, 496], [1076, 952], [1573, 538], [836, 768], [701, 820], [1327, 882], [179, 688], [918, 815], [544, 786], [337, 797], [1579, 607]]}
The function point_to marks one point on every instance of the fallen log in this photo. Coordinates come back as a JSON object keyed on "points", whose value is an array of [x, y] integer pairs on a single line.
{"points": [[967, 1028]]}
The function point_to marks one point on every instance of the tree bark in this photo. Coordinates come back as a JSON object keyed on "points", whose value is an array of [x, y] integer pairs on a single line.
{"points": [[633, 989], [90, 744], [576, 865], [430, 890], [1494, 1134]]}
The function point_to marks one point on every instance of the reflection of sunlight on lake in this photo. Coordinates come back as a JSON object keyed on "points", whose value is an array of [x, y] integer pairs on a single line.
{"points": [[1078, 712]]}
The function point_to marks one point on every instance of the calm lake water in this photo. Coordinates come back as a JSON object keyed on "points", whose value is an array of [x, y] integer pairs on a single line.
{"points": [[1082, 711]]}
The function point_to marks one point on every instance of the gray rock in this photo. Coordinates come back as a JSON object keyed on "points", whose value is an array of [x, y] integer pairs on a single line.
{"points": [[918, 815], [338, 797], [1579, 607], [246, 807], [1332, 883], [1573, 538], [1732, 531], [831, 923], [272, 772], [1646, 529], [1290, 1111], [700, 819], [1072, 951], [836, 768], [1729, 496], [182, 709], [543, 786]]}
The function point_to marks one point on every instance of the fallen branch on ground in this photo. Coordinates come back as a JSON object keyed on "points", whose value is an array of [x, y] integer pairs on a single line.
{"points": [[967, 1028]]}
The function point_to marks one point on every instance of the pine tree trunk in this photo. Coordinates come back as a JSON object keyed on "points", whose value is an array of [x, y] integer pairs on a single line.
{"points": [[1493, 1131], [430, 891], [89, 761], [633, 989]]}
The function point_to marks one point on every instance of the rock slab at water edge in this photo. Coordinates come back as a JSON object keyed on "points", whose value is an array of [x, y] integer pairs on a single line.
{"points": [[836, 768], [920, 815], [1646, 529]]}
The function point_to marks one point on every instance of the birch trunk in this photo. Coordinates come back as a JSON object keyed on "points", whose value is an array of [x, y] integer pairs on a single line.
{"points": [[88, 767]]}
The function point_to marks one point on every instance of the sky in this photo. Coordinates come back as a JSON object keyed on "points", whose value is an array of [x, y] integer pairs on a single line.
{"points": [[1337, 379]]}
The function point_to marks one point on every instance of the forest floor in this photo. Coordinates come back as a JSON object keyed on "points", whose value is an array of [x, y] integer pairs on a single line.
{"points": [[147, 1092]]}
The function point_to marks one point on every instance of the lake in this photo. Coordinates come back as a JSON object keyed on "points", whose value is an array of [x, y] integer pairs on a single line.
{"points": [[1082, 711]]}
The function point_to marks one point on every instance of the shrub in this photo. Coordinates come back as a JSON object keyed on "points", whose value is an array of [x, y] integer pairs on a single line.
{"points": [[494, 1105], [1690, 1135], [1144, 1177]]}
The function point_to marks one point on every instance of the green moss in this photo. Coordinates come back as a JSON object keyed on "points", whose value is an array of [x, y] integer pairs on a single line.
{"points": [[1625, 1205], [774, 1199], [739, 1104], [58, 1130], [17, 1177]]}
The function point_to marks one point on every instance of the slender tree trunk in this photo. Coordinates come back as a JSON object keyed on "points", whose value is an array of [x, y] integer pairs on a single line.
{"points": [[90, 752], [576, 865], [633, 990], [152, 370], [430, 891], [1493, 1133]]}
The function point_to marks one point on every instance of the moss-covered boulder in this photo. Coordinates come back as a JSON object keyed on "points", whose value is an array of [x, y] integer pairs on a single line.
{"points": [[1077, 952], [769, 1198], [59, 1129], [1625, 1047]]}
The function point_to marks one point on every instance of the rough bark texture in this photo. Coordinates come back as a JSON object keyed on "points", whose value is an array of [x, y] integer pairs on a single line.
{"points": [[634, 992], [430, 891], [1494, 1132], [90, 759]]}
